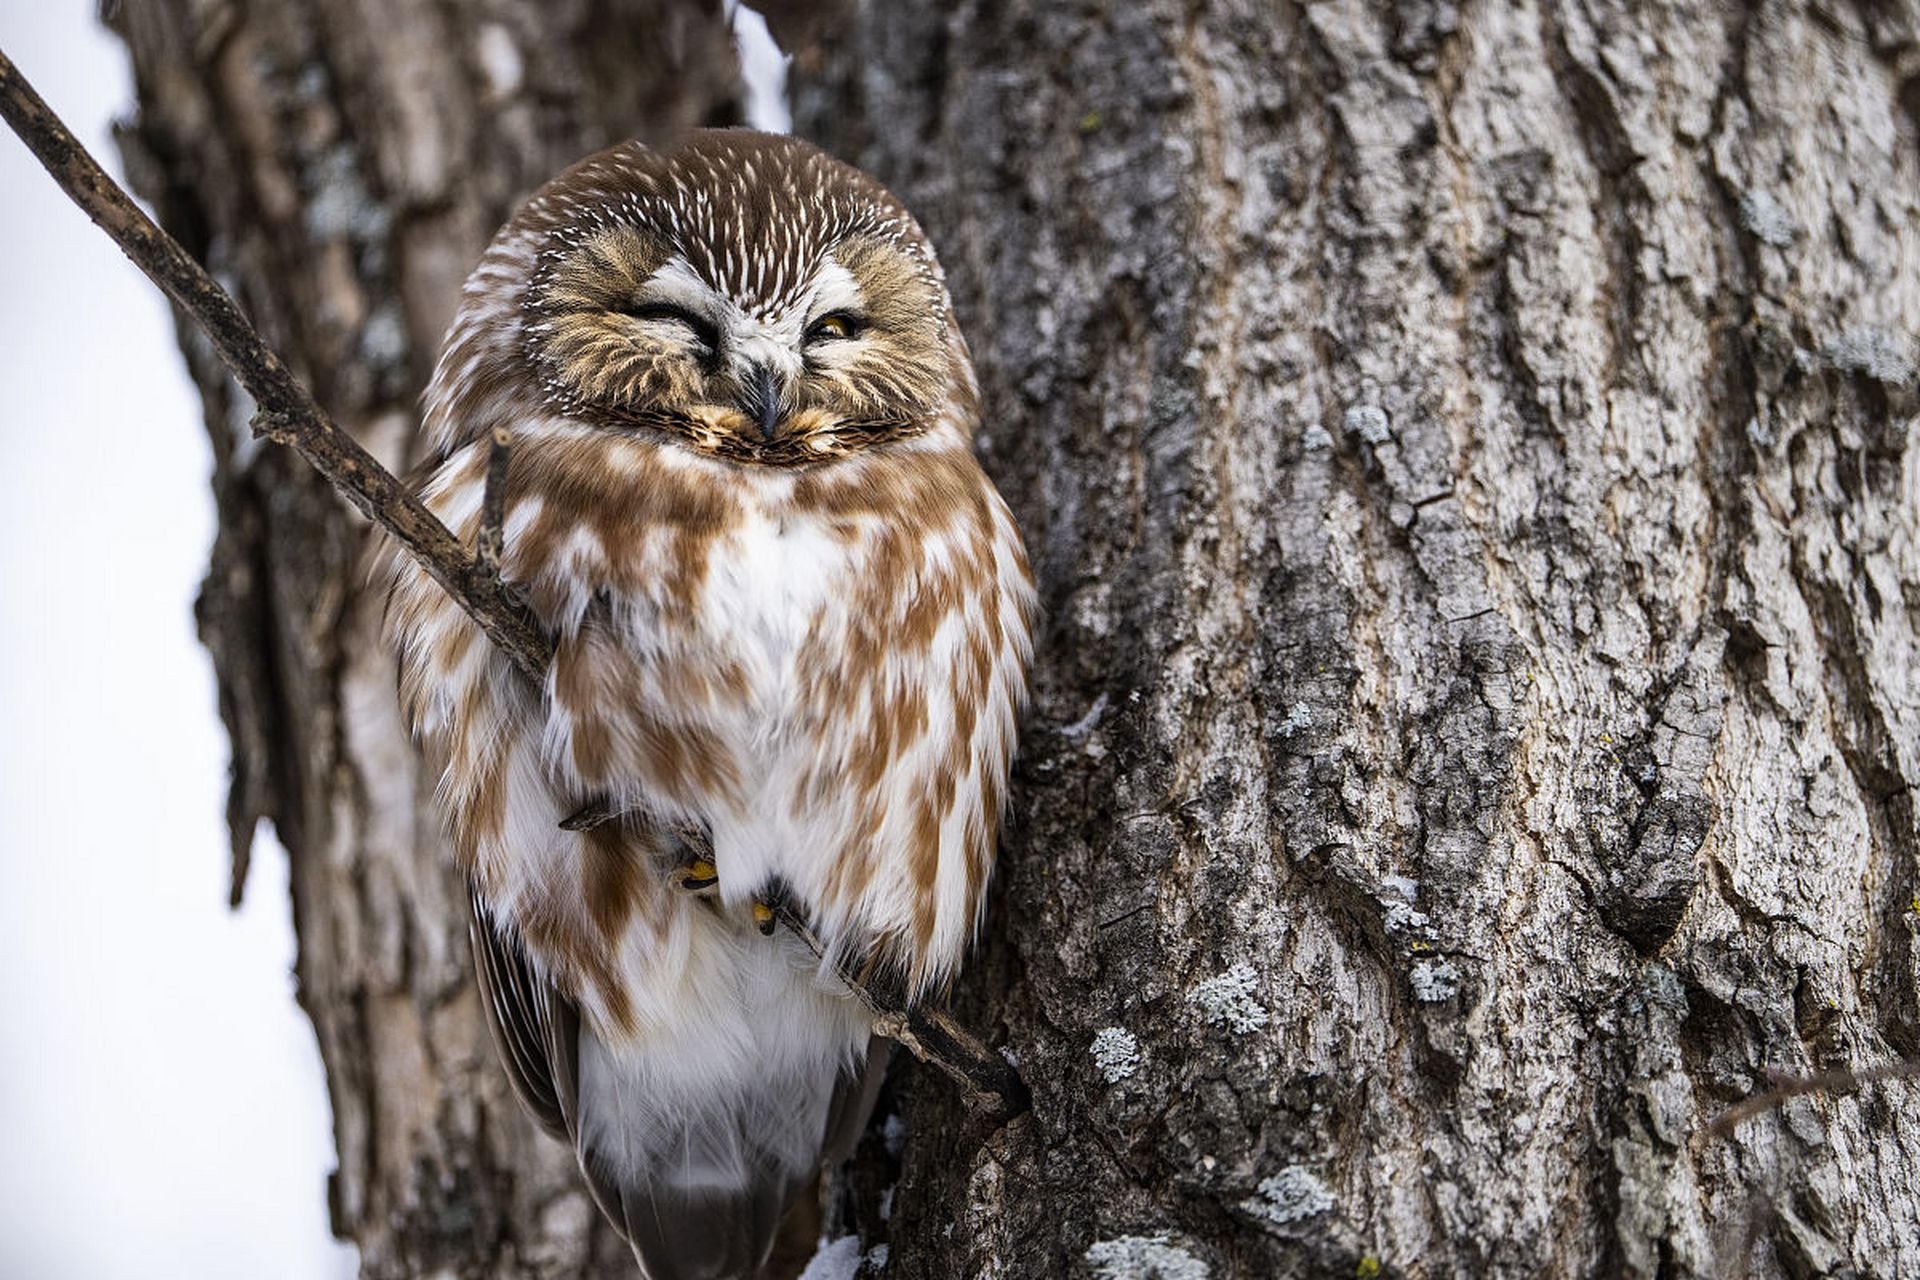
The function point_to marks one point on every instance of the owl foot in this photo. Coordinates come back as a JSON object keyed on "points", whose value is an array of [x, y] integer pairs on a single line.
{"points": [[768, 904], [697, 875]]}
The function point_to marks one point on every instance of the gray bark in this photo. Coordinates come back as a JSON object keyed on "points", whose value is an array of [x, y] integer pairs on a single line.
{"points": [[1465, 454]]}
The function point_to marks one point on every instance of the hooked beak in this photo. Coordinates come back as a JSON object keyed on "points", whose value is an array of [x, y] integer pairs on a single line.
{"points": [[760, 399]]}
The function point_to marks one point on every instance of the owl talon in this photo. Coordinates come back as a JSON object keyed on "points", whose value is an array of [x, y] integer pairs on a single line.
{"points": [[699, 874], [763, 918]]}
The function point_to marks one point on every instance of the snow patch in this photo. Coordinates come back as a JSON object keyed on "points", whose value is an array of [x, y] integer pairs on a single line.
{"points": [[383, 340], [1116, 1053], [342, 208], [1229, 1000], [763, 66], [500, 60], [834, 1260]]}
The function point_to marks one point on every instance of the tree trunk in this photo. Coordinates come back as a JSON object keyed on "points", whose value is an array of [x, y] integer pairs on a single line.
{"points": [[1465, 454]]}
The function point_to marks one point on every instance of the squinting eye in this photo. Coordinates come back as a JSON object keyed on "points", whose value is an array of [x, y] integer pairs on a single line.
{"points": [[835, 324], [703, 329]]}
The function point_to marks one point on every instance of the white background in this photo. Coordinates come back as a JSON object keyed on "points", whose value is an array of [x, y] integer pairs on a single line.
{"points": [[162, 1110]]}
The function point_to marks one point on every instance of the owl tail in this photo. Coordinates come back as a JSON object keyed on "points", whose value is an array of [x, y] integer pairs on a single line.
{"points": [[700, 1193], [697, 1233]]}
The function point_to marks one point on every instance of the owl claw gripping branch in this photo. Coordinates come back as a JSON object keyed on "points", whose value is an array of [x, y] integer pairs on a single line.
{"points": [[697, 875], [789, 612]]}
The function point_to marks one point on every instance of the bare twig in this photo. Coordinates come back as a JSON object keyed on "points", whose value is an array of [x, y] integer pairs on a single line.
{"points": [[589, 815], [491, 544], [990, 1082], [289, 415], [1787, 1086]]}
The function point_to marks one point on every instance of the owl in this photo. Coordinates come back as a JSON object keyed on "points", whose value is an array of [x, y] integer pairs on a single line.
{"points": [[791, 621]]}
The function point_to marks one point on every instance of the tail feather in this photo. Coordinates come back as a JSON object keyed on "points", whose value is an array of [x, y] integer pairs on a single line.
{"points": [[699, 1188], [853, 1099], [693, 1233]]}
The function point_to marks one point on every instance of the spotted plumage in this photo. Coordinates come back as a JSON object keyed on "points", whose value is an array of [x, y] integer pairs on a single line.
{"points": [[791, 621]]}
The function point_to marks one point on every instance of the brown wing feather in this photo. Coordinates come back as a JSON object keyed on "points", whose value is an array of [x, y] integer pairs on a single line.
{"points": [[853, 1100], [535, 1028], [536, 1031]]}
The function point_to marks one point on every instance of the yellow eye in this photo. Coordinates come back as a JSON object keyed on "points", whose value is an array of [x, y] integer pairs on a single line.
{"points": [[835, 324]]}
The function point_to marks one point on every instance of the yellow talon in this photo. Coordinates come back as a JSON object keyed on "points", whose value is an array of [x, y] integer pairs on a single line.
{"points": [[699, 874], [763, 917]]}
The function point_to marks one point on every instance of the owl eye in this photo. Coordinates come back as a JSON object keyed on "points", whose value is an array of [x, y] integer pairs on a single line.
{"points": [[702, 328], [835, 324]]}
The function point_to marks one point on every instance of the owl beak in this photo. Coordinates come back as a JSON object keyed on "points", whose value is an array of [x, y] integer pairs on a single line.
{"points": [[760, 399]]}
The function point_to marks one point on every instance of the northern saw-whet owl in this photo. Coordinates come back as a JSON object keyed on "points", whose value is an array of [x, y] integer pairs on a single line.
{"points": [[792, 622]]}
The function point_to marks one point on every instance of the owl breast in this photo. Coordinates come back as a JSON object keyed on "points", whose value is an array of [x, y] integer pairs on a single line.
{"points": [[687, 700], [820, 669]]}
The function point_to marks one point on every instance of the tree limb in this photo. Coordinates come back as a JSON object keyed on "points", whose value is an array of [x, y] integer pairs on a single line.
{"points": [[492, 542], [991, 1083], [289, 415]]}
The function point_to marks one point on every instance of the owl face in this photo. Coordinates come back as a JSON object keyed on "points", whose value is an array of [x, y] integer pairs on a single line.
{"points": [[744, 295]]}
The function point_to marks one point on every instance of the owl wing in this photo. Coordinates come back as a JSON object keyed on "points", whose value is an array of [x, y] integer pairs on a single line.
{"points": [[536, 1029], [536, 1033], [852, 1104]]}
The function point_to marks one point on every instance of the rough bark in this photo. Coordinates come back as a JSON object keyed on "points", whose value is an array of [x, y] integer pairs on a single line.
{"points": [[1465, 451]]}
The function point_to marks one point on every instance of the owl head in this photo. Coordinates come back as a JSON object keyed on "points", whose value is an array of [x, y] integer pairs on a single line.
{"points": [[739, 294]]}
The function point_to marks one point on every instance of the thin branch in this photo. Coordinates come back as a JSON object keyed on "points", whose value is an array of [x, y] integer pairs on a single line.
{"points": [[491, 544], [289, 415], [989, 1081], [590, 815]]}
